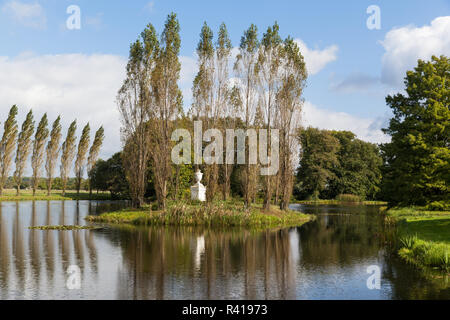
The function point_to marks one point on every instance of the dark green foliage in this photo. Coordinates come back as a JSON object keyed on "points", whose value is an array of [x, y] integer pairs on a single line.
{"points": [[335, 163], [417, 160], [110, 176]]}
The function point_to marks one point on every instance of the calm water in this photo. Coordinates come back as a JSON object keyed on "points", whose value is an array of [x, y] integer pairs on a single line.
{"points": [[324, 259]]}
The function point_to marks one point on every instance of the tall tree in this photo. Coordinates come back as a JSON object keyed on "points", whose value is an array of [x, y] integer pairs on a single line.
{"points": [[7, 145], [268, 71], [245, 68], [417, 160], [134, 100], [204, 105], [67, 154], [53, 149], [94, 152], [223, 95], [288, 115], [23, 149], [37, 158], [166, 108], [80, 161]]}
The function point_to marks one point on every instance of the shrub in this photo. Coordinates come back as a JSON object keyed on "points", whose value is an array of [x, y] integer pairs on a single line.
{"points": [[348, 198]]}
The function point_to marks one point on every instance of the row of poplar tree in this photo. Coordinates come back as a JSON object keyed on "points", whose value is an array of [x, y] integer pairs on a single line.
{"points": [[45, 146], [262, 90]]}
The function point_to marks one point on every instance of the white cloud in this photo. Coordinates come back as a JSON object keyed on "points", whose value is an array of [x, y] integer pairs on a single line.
{"points": [[27, 14], [75, 86], [317, 59], [365, 129], [404, 46]]}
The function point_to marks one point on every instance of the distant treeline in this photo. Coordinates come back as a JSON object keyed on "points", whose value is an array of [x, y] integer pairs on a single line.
{"points": [[45, 148]]}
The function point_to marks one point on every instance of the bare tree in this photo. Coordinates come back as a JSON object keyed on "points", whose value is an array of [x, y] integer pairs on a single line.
{"points": [[37, 157], [23, 149], [53, 149]]}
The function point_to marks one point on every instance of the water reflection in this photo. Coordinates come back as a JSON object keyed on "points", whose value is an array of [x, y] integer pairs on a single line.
{"points": [[324, 259]]}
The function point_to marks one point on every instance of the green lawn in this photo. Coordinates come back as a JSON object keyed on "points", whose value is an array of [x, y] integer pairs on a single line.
{"points": [[27, 195], [424, 236]]}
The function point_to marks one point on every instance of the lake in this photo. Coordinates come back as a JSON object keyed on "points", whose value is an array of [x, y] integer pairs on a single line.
{"points": [[327, 258]]}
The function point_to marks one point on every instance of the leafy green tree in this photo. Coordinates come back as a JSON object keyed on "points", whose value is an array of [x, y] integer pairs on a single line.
{"points": [[110, 176], [23, 149], [80, 161], [318, 158], [417, 160], [67, 154], [359, 169], [52, 152], [7, 145], [37, 159]]}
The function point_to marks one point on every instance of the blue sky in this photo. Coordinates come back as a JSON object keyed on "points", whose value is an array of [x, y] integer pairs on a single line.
{"points": [[77, 72]]}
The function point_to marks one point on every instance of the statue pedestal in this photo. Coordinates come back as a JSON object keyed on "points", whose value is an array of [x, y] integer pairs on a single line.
{"points": [[198, 191]]}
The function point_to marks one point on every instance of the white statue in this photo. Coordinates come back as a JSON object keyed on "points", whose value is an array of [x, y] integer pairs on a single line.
{"points": [[198, 191]]}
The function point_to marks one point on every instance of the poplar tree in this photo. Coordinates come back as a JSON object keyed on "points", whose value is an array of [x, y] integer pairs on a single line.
{"points": [[80, 161], [7, 145], [290, 103], [223, 94], [94, 152], [37, 158], [269, 80], [67, 154], [245, 68], [134, 99], [204, 106], [53, 149], [23, 149], [166, 108]]}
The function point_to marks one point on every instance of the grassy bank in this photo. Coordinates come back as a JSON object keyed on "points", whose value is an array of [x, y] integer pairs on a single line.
{"points": [[219, 214], [27, 195], [424, 236]]}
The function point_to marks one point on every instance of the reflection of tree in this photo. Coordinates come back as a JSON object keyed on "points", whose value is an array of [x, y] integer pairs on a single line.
{"points": [[232, 263], [18, 249], [340, 239], [412, 284], [4, 253]]}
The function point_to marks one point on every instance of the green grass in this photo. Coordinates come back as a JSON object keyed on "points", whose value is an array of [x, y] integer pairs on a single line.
{"points": [[424, 236], [220, 214], [27, 195]]}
